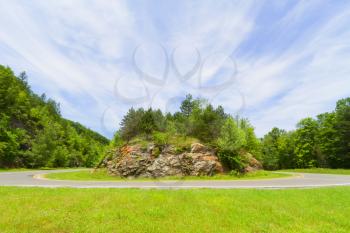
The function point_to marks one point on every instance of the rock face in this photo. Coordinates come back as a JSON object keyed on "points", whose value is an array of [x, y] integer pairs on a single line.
{"points": [[134, 161], [252, 164]]}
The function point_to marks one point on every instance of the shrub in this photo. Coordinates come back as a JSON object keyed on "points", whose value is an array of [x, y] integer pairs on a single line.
{"points": [[160, 139]]}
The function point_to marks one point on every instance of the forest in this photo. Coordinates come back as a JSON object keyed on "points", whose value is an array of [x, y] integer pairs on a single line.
{"points": [[34, 134], [322, 142]]}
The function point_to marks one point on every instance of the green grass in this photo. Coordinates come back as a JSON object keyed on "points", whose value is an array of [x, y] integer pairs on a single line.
{"points": [[101, 175], [37, 210], [180, 143], [34, 169], [25, 169], [321, 170], [14, 169]]}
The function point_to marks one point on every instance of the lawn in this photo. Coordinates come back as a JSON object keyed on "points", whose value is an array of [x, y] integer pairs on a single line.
{"points": [[14, 169], [34, 169], [101, 175], [199, 210], [321, 170]]}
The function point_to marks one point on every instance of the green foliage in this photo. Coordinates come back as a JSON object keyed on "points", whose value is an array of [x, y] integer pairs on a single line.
{"points": [[286, 145], [188, 105], [232, 138], [196, 121], [234, 143], [205, 122], [252, 143], [305, 143], [141, 122], [33, 133], [182, 143], [140, 140], [342, 127], [321, 142], [278, 149], [271, 153], [117, 140], [161, 139]]}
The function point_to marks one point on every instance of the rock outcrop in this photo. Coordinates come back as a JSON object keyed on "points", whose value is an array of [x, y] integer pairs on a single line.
{"points": [[252, 164], [133, 161]]}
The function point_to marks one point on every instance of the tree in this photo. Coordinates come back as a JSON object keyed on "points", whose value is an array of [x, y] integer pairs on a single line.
{"points": [[342, 126], [315, 143], [231, 141], [253, 144], [286, 145], [205, 123], [130, 124], [8, 144], [147, 123], [327, 139], [34, 134], [188, 105], [305, 143], [271, 153]]}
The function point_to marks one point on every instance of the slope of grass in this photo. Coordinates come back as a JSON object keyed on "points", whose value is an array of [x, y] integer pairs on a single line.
{"points": [[203, 210], [101, 175], [25, 169], [321, 171], [14, 169], [181, 143], [36, 169]]}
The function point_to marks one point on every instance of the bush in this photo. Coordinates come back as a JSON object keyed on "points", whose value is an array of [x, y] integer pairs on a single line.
{"points": [[230, 143], [161, 139], [231, 160]]}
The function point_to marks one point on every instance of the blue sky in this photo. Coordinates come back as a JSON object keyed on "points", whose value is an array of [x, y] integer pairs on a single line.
{"points": [[274, 62]]}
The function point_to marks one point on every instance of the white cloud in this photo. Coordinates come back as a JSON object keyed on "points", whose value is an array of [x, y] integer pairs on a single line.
{"points": [[76, 50]]}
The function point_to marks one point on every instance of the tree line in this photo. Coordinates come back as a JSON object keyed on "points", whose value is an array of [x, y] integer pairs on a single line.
{"points": [[231, 136], [320, 142], [33, 132]]}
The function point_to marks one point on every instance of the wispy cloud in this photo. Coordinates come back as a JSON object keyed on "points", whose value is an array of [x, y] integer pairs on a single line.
{"points": [[290, 59]]}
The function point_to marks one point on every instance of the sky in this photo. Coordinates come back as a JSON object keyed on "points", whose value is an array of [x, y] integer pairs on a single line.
{"points": [[273, 62]]}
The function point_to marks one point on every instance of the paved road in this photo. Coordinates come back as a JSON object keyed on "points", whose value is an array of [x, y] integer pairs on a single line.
{"points": [[301, 180]]}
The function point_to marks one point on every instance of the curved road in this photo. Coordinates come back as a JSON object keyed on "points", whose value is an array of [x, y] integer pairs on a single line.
{"points": [[301, 180]]}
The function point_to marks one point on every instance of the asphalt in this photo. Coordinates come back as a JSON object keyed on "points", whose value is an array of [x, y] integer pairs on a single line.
{"points": [[299, 180]]}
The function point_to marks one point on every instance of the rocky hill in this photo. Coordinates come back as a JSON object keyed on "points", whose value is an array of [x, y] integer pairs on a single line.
{"points": [[137, 161]]}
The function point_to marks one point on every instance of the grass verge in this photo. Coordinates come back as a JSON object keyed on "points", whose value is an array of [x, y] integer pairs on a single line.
{"points": [[101, 175], [35, 169], [201, 210], [320, 170], [15, 169]]}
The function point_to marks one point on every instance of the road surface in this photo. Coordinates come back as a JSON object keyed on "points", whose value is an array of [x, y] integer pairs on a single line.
{"points": [[300, 180]]}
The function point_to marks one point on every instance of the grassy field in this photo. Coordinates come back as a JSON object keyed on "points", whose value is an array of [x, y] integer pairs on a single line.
{"points": [[202, 210], [101, 175], [14, 169], [29, 169], [321, 170]]}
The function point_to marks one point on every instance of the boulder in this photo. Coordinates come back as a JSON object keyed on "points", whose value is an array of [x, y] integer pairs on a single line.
{"points": [[198, 148], [131, 162], [252, 163]]}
